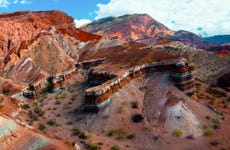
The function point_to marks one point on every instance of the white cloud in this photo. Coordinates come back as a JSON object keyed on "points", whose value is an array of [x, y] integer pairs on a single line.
{"points": [[199, 16], [23, 1], [81, 22], [4, 3]]}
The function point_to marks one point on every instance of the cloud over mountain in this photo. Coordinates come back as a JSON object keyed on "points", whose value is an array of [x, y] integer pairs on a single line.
{"points": [[81, 22], [206, 17]]}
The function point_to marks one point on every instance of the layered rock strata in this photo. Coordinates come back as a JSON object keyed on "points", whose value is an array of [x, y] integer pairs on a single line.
{"points": [[180, 71]]}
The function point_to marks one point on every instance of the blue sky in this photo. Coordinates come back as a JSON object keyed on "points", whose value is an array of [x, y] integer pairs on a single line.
{"points": [[203, 17], [76, 8]]}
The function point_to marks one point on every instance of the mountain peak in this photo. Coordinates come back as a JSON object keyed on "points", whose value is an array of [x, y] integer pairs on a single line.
{"points": [[128, 27]]}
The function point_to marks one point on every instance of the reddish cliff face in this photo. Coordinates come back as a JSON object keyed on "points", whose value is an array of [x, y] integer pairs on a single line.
{"points": [[27, 38], [18, 30], [129, 27]]}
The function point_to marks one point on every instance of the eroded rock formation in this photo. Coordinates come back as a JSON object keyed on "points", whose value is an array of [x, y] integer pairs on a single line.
{"points": [[180, 71]]}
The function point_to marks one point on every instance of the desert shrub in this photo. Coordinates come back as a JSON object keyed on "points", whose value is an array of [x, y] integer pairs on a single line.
{"points": [[57, 102], [134, 105], [105, 116], [100, 143], [119, 133], [136, 118], [119, 110], [75, 131], [215, 92], [32, 116], [214, 143], [92, 146], [62, 96], [228, 99], [52, 123], [39, 111], [177, 133], [216, 121], [41, 127], [208, 132], [57, 137], [82, 135], [79, 133], [212, 100], [25, 106], [148, 128], [131, 136], [114, 147], [189, 136], [198, 86]]}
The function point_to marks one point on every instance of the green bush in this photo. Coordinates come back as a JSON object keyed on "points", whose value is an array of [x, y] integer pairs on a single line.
{"points": [[216, 121], [131, 136], [25, 106], [215, 92], [148, 128], [39, 111], [208, 132], [41, 127], [93, 146], [119, 133], [115, 147], [75, 132], [80, 134], [177, 133], [137, 118], [134, 105], [52, 123]]}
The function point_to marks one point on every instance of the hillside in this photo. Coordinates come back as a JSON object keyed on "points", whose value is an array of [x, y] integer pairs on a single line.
{"points": [[219, 39], [142, 27], [137, 85]]}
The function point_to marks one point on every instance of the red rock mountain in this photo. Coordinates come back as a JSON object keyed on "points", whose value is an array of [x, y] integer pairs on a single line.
{"points": [[128, 27], [20, 29], [23, 36], [142, 27]]}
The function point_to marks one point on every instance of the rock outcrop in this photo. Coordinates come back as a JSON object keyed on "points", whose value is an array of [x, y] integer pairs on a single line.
{"points": [[180, 71], [19, 30]]}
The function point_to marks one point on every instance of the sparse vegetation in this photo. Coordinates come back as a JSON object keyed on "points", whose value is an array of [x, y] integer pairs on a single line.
{"points": [[79, 133], [105, 116], [212, 100], [92, 146], [134, 105], [177, 133], [216, 121], [208, 132], [52, 123], [41, 127], [215, 92], [25, 106], [148, 128], [39, 111], [118, 133], [131, 136], [62, 96], [115, 147], [214, 143], [189, 136], [32, 116], [137, 118], [57, 137], [119, 110]]}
